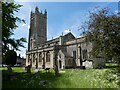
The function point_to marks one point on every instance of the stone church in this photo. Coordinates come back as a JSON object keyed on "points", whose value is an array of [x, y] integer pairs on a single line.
{"points": [[65, 51]]}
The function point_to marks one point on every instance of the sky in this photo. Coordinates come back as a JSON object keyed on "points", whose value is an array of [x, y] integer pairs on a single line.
{"points": [[62, 17]]}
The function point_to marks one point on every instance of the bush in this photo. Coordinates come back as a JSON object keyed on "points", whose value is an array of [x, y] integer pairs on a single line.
{"points": [[11, 57]]}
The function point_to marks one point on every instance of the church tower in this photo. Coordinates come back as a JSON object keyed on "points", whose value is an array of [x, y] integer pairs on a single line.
{"points": [[38, 29]]}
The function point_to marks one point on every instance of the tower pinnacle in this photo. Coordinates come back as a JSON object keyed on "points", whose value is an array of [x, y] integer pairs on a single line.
{"points": [[37, 9], [45, 11]]}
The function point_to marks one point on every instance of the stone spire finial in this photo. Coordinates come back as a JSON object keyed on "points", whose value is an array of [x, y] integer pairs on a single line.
{"points": [[45, 11], [37, 9]]}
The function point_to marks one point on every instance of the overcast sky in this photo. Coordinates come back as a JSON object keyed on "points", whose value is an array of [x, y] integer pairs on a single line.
{"points": [[61, 17]]}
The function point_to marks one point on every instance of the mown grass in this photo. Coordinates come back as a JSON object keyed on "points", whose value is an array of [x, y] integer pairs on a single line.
{"points": [[111, 65], [68, 78]]}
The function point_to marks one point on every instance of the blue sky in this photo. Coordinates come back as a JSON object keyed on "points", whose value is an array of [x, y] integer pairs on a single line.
{"points": [[60, 17]]}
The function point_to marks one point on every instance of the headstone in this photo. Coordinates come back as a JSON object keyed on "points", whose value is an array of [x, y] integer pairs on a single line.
{"points": [[88, 64], [56, 70], [99, 62], [28, 69]]}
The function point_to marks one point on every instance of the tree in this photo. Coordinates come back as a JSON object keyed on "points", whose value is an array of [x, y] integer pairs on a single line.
{"points": [[11, 57], [103, 30], [8, 27]]}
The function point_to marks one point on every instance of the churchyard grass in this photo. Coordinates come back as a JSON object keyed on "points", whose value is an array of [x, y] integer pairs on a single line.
{"points": [[68, 78]]}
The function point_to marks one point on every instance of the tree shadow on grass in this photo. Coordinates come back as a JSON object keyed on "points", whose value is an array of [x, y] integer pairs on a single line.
{"points": [[33, 80], [111, 67]]}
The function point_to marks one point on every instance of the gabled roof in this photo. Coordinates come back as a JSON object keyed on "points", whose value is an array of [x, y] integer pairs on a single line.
{"points": [[57, 39], [69, 34]]}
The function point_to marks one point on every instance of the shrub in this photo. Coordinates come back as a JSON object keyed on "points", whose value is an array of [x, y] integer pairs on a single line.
{"points": [[11, 57]]}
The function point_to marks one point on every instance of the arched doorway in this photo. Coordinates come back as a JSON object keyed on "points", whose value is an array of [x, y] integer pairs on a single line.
{"points": [[60, 64]]}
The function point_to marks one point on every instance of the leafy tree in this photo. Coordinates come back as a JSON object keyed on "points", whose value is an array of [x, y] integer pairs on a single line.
{"points": [[103, 30], [8, 26], [11, 57]]}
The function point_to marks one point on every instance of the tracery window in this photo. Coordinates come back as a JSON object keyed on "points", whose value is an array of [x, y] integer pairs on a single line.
{"points": [[48, 57], [34, 57], [40, 57], [85, 54]]}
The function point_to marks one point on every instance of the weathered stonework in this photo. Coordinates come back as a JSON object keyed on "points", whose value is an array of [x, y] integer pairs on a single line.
{"points": [[64, 52]]}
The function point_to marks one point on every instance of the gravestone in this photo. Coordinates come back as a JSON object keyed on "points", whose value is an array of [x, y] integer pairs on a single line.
{"points": [[28, 68], [88, 64], [56, 70], [99, 62]]}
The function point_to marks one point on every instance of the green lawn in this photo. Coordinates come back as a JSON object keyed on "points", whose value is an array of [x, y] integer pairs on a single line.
{"points": [[68, 78], [111, 65]]}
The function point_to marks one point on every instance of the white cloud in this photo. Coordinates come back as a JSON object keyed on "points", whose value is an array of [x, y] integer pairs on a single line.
{"points": [[28, 27], [67, 31], [116, 11], [23, 24]]}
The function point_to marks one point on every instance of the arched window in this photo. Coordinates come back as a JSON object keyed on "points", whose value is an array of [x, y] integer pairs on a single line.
{"points": [[34, 57], [28, 58], [48, 57], [85, 56], [74, 54], [40, 57]]}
